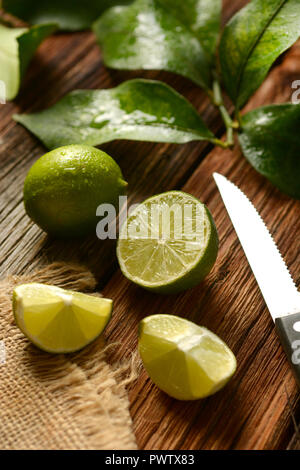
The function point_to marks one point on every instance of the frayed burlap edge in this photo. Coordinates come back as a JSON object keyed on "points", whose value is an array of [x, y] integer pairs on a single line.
{"points": [[61, 402]]}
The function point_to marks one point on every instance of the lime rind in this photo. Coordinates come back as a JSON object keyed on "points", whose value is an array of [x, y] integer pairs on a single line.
{"points": [[65, 187]]}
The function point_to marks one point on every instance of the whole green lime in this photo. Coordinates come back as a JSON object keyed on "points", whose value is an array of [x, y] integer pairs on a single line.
{"points": [[63, 189]]}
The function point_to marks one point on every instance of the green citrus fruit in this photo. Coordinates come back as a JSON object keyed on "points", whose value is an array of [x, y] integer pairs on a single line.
{"points": [[183, 359], [58, 320], [169, 243], [63, 189]]}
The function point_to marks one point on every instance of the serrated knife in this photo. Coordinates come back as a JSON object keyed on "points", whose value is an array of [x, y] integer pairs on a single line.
{"points": [[272, 275]]}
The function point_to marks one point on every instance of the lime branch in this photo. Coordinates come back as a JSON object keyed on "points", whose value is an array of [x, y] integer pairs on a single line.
{"points": [[230, 125]]}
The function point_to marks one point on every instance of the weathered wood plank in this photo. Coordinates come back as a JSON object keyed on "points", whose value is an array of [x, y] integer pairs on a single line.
{"points": [[63, 63], [147, 167], [251, 412]]}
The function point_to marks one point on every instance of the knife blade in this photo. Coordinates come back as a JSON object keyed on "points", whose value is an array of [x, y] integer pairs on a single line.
{"points": [[273, 277]]}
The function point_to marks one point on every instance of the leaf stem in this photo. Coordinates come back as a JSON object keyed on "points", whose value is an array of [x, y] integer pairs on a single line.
{"points": [[217, 100], [221, 143], [238, 119]]}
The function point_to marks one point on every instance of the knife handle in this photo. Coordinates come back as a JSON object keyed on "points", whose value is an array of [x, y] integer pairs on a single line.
{"points": [[288, 329]]}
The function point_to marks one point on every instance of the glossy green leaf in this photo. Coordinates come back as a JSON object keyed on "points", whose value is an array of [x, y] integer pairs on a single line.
{"points": [[270, 140], [176, 36], [137, 110], [70, 15], [202, 17], [17, 46], [253, 40]]}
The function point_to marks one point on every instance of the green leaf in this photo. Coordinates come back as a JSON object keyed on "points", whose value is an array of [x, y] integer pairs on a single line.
{"points": [[70, 15], [170, 35], [202, 18], [17, 46], [253, 40], [137, 109], [270, 140]]}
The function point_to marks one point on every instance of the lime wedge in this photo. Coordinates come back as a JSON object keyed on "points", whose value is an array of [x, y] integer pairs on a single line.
{"points": [[169, 243], [183, 359], [58, 320]]}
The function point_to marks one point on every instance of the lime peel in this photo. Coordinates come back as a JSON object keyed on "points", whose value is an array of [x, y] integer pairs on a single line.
{"points": [[65, 187]]}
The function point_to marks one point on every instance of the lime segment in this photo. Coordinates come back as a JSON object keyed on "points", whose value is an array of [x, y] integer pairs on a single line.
{"points": [[184, 360], [57, 320], [169, 243]]}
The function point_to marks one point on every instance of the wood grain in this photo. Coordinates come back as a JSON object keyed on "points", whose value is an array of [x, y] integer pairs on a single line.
{"points": [[252, 412]]}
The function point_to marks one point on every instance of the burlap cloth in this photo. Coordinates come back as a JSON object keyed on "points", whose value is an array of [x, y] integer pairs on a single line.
{"points": [[60, 401]]}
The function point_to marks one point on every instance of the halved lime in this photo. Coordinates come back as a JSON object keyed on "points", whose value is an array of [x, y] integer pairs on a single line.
{"points": [[169, 243], [183, 359], [58, 320]]}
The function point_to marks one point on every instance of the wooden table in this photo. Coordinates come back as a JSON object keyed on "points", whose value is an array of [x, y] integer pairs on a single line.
{"points": [[255, 410]]}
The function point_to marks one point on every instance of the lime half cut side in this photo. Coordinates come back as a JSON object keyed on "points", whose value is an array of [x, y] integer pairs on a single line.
{"points": [[169, 243], [58, 320], [183, 359]]}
